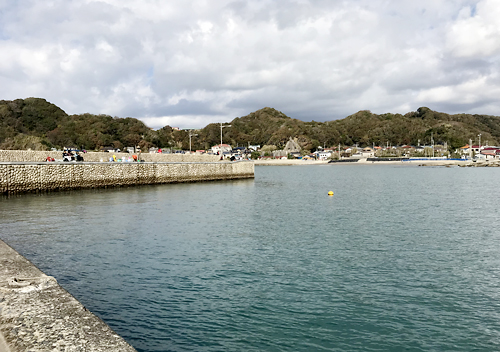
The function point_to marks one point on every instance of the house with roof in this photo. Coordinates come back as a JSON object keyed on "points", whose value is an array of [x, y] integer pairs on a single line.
{"points": [[420, 149], [477, 149], [241, 153], [490, 153], [347, 152], [367, 152], [407, 150], [240, 150], [221, 148], [466, 149], [324, 154]]}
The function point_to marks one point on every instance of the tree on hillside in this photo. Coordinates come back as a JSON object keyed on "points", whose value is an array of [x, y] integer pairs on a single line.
{"points": [[267, 126], [24, 142]]}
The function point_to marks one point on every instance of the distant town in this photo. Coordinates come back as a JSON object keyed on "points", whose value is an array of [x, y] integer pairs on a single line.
{"points": [[292, 150], [266, 134]]}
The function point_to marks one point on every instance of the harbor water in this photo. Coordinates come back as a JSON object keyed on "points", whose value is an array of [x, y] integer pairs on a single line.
{"points": [[400, 258]]}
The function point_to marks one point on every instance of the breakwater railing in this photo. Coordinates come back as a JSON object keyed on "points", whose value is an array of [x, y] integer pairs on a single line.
{"points": [[20, 177]]}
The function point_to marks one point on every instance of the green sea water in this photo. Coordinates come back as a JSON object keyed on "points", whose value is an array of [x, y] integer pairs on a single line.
{"points": [[401, 258]]}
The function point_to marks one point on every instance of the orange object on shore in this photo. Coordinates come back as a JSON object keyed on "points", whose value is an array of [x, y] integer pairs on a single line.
{"points": [[134, 157]]}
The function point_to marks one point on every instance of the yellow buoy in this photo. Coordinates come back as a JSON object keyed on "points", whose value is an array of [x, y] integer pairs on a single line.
{"points": [[330, 193]]}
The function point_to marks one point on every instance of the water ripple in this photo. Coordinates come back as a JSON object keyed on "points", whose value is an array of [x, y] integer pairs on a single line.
{"points": [[400, 259]]}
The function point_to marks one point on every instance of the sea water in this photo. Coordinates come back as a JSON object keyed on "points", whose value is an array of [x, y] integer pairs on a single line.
{"points": [[400, 258]]}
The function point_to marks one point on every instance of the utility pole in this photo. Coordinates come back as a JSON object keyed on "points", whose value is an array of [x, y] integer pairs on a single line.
{"points": [[470, 149], [191, 135], [221, 127], [432, 144], [479, 135]]}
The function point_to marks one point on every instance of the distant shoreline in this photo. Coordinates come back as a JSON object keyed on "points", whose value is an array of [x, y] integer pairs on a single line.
{"points": [[287, 162], [439, 162]]}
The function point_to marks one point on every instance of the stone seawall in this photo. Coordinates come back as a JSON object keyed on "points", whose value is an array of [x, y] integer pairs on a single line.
{"points": [[36, 314], [17, 177], [38, 156]]}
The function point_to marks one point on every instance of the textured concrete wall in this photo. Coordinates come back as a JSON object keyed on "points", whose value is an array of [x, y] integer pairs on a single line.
{"points": [[34, 156], [17, 177], [36, 314]]}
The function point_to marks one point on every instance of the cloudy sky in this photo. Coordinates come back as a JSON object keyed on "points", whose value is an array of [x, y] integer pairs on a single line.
{"points": [[187, 63]]}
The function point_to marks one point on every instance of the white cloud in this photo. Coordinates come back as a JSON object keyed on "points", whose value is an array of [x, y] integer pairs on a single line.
{"points": [[180, 121], [474, 91], [476, 32], [197, 61]]}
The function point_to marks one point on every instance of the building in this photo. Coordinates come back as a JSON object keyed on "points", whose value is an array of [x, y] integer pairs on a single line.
{"points": [[324, 154], [368, 152], [490, 153], [221, 148]]}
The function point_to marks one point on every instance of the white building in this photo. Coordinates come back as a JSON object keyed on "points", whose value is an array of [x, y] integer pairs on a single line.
{"points": [[323, 155], [221, 148]]}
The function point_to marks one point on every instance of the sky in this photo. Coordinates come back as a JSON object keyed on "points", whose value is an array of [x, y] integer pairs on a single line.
{"points": [[188, 63]]}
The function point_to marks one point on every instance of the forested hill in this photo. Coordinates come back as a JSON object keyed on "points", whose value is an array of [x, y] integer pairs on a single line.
{"points": [[37, 124]]}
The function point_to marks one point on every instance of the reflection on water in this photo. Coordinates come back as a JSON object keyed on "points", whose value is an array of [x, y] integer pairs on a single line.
{"points": [[400, 258]]}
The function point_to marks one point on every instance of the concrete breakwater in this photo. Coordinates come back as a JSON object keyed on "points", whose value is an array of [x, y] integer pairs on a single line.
{"points": [[36, 314], [37, 156], [20, 177]]}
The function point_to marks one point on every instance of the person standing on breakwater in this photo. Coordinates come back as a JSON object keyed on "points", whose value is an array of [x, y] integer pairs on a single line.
{"points": [[68, 155]]}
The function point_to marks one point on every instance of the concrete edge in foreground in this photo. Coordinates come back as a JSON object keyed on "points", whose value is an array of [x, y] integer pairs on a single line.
{"points": [[36, 314]]}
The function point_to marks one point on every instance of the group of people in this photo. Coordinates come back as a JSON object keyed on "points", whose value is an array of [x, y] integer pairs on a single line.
{"points": [[68, 155], [113, 159]]}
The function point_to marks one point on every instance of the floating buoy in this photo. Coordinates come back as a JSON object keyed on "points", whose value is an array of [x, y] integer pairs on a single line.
{"points": [[330, 193]]}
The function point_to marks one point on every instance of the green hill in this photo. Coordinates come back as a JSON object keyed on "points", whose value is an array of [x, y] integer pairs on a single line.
{"points": [[37, 124], [268, 126]]}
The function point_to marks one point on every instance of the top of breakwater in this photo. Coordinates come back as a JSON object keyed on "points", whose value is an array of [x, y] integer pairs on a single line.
{"points": [[41, 156], [36, 314], [116, 163]]}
